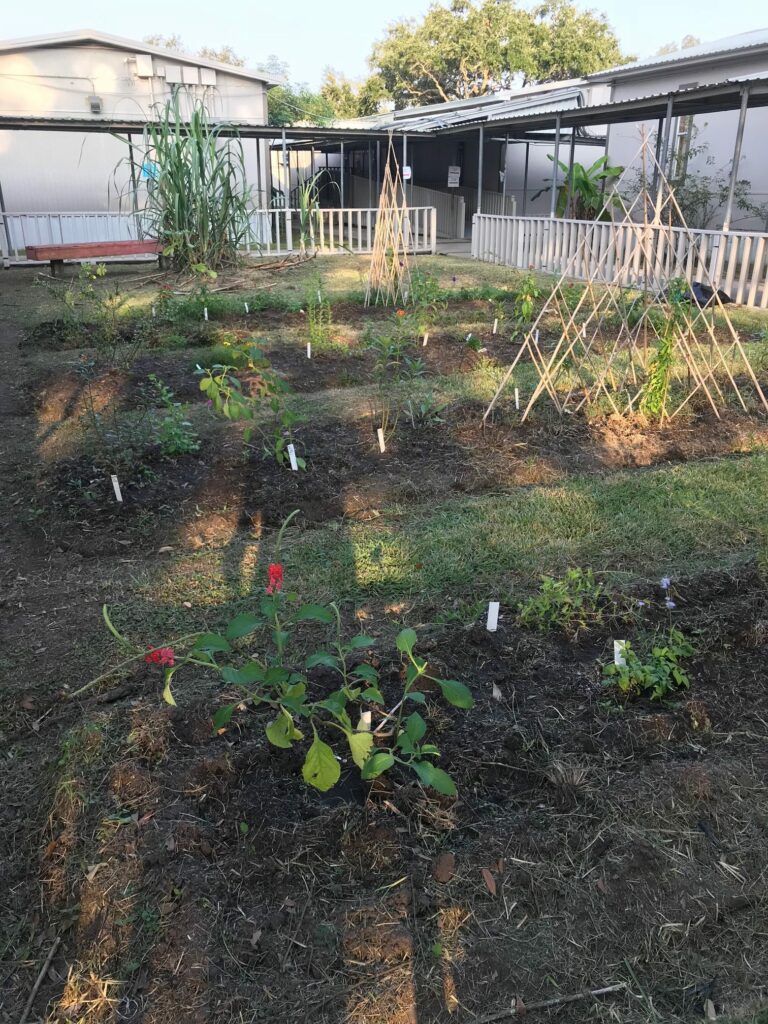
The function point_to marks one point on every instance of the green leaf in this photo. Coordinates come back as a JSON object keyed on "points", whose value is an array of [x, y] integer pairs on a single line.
{"points": [[167, 695], [313, 613], [406, 640], [282, 732], [405, 743], [366, 672], [361, 745], [223, 717], [456, 693], [322, 658], [242, 625], [211, 642], [251, 672], [321, 769], [415, 726], [372, 694], [358, 642], [435, 777], [416, 697], [377, 764], [276, 675]]}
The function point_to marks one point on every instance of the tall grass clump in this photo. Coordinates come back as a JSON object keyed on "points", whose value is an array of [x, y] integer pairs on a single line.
{"points": [[198, 198]]}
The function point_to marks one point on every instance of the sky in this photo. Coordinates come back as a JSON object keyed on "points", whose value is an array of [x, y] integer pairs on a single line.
{"points": [[311, 35]]}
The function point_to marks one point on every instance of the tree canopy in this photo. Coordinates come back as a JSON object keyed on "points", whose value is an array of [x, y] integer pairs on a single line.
{"points": [[472, 47]]}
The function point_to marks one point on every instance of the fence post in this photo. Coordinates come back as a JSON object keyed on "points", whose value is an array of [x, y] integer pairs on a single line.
{"points": [[475, 230]]}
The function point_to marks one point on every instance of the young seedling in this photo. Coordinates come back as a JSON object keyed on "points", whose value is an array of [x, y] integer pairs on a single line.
{"points": [[116, 488]]}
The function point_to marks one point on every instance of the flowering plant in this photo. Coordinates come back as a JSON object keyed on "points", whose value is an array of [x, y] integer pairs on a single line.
{"points": [[276, 680]]}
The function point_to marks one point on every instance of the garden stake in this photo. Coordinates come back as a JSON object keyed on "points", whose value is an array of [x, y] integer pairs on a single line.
{"points": [[619, 647], [246, 307], [154, 311], [517, 399], [495, 324], [292, 457], [309, 350], [380, 435], [492, 622], [426, 338], [205, 312], [116, 488]]}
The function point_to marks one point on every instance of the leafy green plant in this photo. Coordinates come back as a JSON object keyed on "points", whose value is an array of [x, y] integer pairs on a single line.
{"points": [[173, 432], [275, 679], [198, 198], [284, 422], [524, 303], [582, 194], [319, 318], [225, 394], [428, 300], [658, 675], [425, 411], [573, 603]]}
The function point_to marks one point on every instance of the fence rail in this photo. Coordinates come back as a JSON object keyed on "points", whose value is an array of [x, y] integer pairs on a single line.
{"points": [[736, 260], [273, 232]]}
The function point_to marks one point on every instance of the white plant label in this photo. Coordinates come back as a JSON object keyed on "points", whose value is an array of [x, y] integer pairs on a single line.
{"points": [[619, 649], [292, 457], [468, 337], [517, 398], [364, 725], [116, 488], [319, 296], [495, 324], [205, 312], [309, 350], [492, 621], [154, 311], [246, 307], [426, 339], [380, 435]]}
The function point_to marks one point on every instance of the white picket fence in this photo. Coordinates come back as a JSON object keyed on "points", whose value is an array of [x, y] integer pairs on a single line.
{"points": [[273, 232], [736, 260]]}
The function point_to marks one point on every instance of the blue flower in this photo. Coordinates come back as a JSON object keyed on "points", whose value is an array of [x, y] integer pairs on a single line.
{"points": [[665, 582], [670, 604], [641, 604]]}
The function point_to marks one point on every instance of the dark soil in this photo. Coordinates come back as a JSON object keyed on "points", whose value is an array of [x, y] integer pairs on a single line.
{"points": [[192, 877]]}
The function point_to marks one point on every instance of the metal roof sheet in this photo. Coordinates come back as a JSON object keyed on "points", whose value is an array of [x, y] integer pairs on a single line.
{"points": [[755, 40]]}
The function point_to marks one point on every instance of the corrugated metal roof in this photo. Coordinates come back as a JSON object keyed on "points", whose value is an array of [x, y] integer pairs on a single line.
{"points": [[85, 36], [755, 40]]}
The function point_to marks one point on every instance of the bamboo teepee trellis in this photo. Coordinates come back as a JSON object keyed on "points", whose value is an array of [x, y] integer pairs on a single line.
{"points": [[612, 341], [389, 277]]}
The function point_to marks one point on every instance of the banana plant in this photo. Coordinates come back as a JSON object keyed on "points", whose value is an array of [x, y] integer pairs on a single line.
{"points": [[581, 195]]}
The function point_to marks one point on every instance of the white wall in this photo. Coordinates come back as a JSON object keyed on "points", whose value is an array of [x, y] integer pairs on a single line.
{"points": [[64, 171]]}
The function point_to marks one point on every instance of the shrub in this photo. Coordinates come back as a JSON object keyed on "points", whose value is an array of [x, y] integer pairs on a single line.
{"points": [[658, 675], [572, 604]]}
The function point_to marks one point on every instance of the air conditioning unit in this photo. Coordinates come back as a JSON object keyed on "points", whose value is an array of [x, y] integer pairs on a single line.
{"points": [[95, 104]]}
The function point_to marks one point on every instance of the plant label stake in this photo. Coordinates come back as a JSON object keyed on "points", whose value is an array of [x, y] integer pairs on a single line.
{"points": [[468, 337], [495, 324], [619, 648], [246, 307], [492, 622], [309, 350], [292, 457], [205, 312], [319, 296], [154, 311], [426, 339], [364, 725], [116, 488], [517, 399], [380, 435]]}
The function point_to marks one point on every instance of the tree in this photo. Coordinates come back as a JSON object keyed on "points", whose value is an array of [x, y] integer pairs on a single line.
{"points": [[473, 47], [174, 42], [349, 99], [686, 43]]}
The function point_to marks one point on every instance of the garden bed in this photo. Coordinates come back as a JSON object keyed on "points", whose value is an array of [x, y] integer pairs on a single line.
{"points": [[596, 841]]}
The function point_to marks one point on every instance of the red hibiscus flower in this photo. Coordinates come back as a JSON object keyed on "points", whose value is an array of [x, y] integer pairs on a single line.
{"points": [[274, 577], [164, 656]]}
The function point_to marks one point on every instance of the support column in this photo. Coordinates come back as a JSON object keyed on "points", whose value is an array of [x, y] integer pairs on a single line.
{"points": [[571, 156], [525, 177], [664, 158], [405, 161], [480, 146], [341, 173], [556, 157], [504, 179], [370, 177], [286, 176], [736, 159]]}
